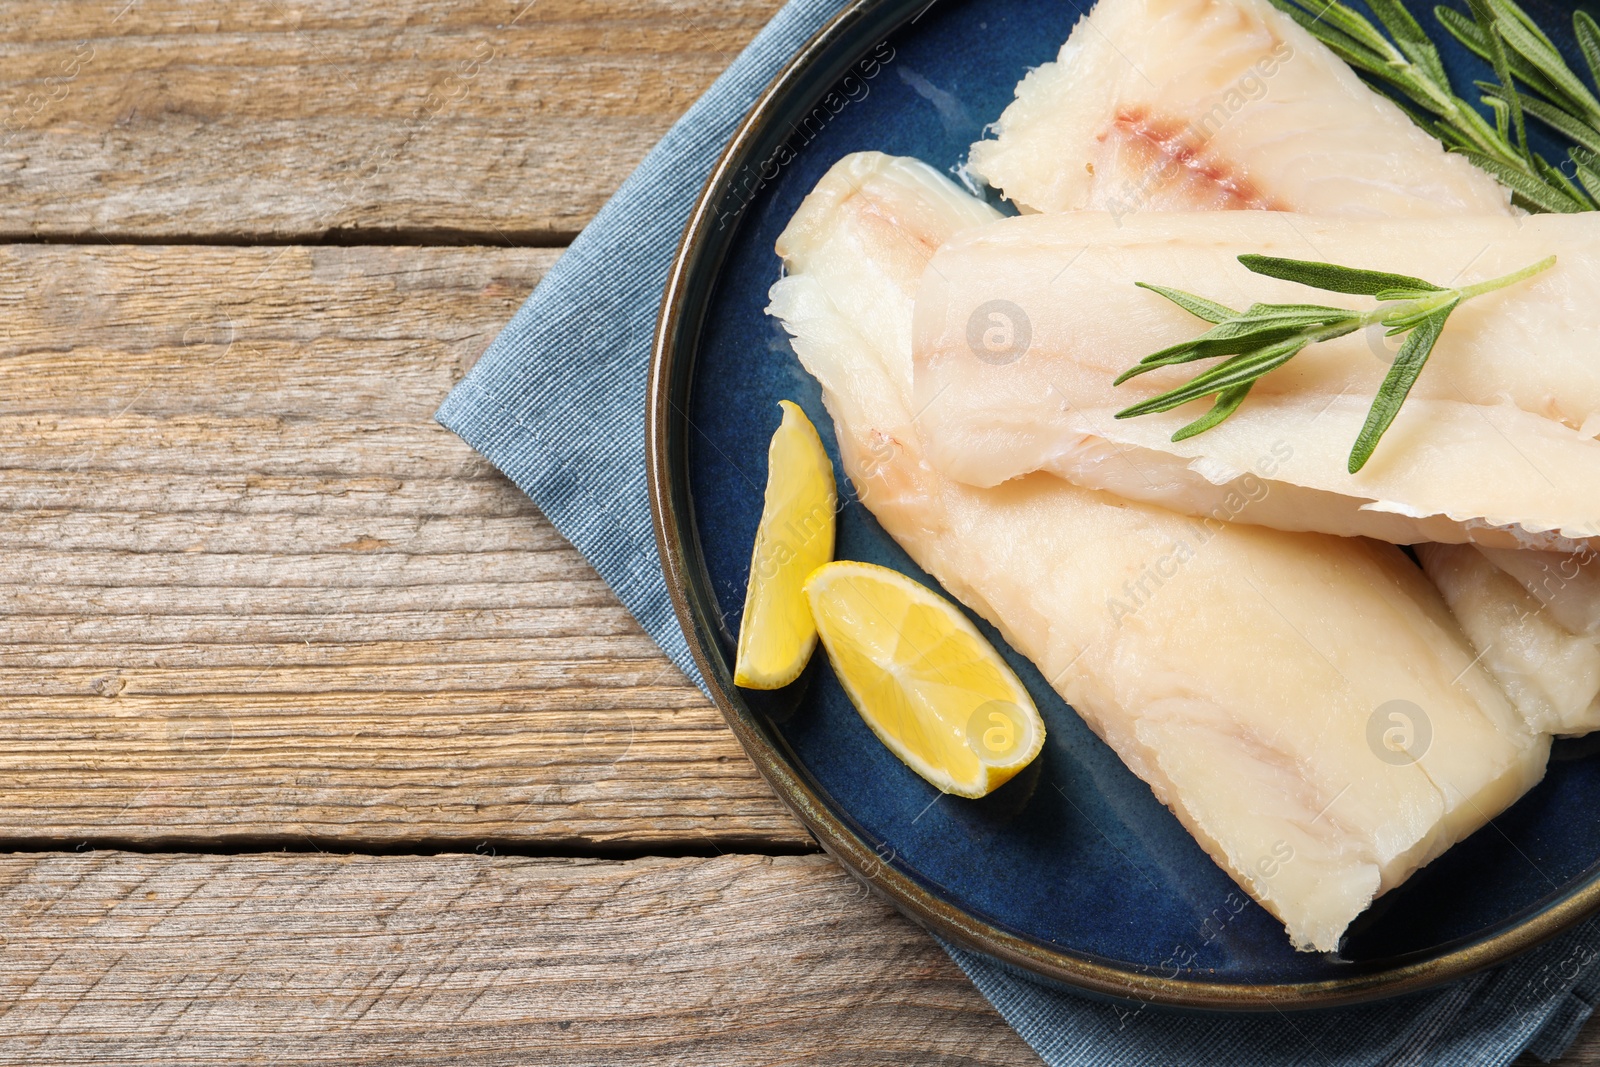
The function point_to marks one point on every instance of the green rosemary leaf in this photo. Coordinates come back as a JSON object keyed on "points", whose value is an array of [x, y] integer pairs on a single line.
{"points": [[1258, 321], [1525, 39], [1470, 34], [1588, 35], [1334, 278], [1261, 325], [1408, 364], [1502, 115], [1150, 363], [1558, 120], [1346, 47], [1310, 313], [1270, 322], [1400, 23], [1515, 11], [1242, 369], [1587, 166], [1590, 180], [1198, 306], [1206, 346], [1462, 28], [1166, 357], [1349, 22], [1360, 58], [1404, 320], [1228, 402], [1264, 324], [1411, 38], [1404, 294], [1451, 137], [1554, 176], [1494, 31], [1534, 192]]}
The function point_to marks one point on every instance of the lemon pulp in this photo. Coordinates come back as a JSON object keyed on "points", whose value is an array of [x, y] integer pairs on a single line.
{"points": [[924, 679], [795, 537]]}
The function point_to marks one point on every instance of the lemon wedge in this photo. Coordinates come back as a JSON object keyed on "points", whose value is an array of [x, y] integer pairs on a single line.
{"points": [[795, 537], [924, 678]]}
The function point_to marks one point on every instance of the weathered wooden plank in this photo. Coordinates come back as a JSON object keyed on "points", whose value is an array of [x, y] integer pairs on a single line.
{"points": [[502, 119], [177, 959], [123, 958], [249, 590], [1585, 1051]]}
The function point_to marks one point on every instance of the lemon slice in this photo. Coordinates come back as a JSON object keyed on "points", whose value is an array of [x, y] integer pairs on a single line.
{"points": [[795, 537], [924, 678]]}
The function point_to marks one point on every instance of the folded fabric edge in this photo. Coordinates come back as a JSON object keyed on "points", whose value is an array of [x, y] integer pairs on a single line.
{"points": [[489, 427], [1561, 1029], [1567, 969]]}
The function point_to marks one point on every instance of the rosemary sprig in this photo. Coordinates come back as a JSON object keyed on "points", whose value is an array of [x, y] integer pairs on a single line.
{"points": [[1408, 62], [1534, 78], [1264, 337]]}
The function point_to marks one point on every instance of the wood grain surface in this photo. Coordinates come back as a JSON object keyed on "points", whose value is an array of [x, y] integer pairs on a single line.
{"points": [[114, 957], [120, 958], [250, 591], [503, 121]]}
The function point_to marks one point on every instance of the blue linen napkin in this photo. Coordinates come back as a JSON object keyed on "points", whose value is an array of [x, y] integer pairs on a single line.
{"points": [[557, 403]]}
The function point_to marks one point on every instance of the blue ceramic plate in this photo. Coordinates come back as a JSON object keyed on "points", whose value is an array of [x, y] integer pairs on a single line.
{"points": [[1073, 870]]}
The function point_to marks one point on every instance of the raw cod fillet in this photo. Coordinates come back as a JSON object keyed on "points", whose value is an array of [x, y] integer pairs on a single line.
{"points": [[1258, 743], [1532, 617], [1207, 104], [1495, 443], [1072, 141]]}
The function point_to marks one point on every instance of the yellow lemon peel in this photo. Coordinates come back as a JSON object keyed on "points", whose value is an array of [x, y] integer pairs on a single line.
{"points": [[924, 679], [795, 537]]}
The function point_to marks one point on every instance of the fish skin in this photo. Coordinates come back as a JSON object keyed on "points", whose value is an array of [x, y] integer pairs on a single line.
{"points": [[1262, 753], [1216, 104], [1487, 448]]}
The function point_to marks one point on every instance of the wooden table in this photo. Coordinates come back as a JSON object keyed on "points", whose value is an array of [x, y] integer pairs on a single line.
{"points": [[321, 743]]}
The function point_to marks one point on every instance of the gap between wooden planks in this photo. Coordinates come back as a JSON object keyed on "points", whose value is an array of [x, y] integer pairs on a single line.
{"points": [[251, 593], [267, 959], [503, 121]]}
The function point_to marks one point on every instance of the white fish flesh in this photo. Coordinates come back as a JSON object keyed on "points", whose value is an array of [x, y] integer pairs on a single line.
{"points": [[1531, 616], [1565, 585], [1261, 744], [1494, 443], [1206, 104]]}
